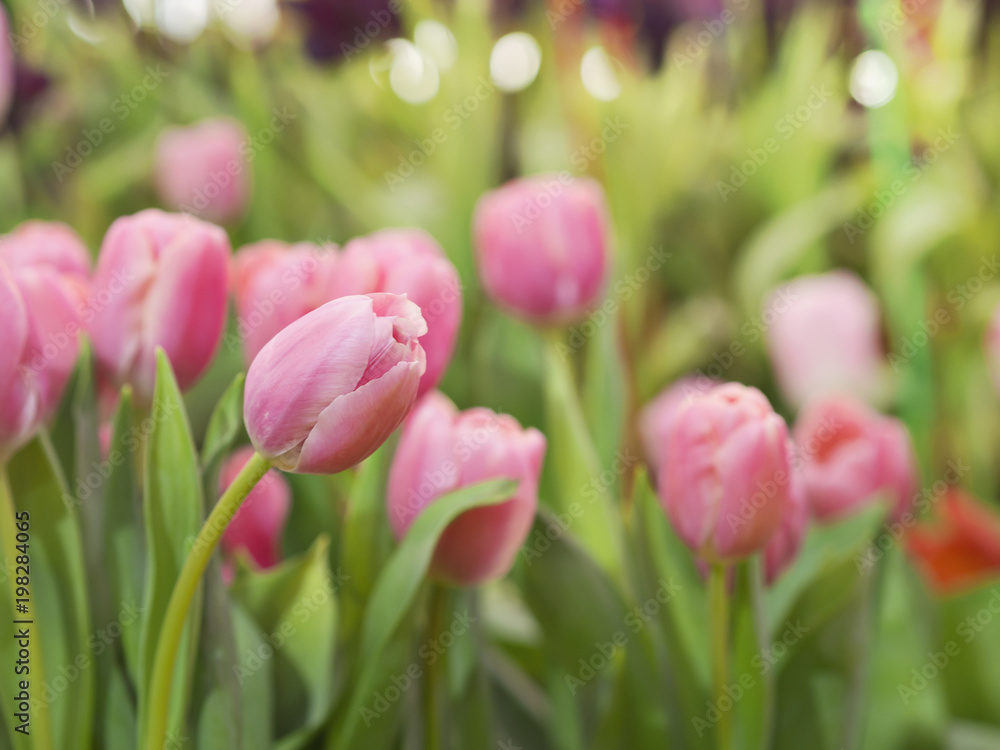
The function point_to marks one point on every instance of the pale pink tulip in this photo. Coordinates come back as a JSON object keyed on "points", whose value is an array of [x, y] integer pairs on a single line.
{"points": [[785, 543], [410, 262], [852, 456], [161, 281], [824, 337], [657, 417], [725, 477], [327, 391], [543, 247], [441, 450], [202, 169]]}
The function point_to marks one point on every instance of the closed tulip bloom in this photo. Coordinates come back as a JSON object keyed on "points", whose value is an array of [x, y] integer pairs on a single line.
{"points": [[201, 169], [46, 244], [258, 526], [657, 417], [441, 450], [543, 247], [784, 546], [328, 390], [724, 480], [275, 284], [410, 262], [161, 281], [19, 401], [851, 455], [824, 337]]}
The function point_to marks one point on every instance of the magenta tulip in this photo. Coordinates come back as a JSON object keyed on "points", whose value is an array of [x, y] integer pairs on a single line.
{"points": [[275, 284], [202, 169], [410, 262], [327, 391], [824, 337], [657, 417], [725, 477], [257, 527], [543, 246], [161, 281], [851, 456], [441, 450]]}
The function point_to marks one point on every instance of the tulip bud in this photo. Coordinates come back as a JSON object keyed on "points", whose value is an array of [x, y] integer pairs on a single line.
{"points": [[6, 67], [441, 450], [259, 524], [410, 262], [724, 480], [328, 390], [824, 336], [784, 545], [275, 284], [19, 401], [657, 417], [201, 169], [161, 281], [850, 455], [542, 247]]}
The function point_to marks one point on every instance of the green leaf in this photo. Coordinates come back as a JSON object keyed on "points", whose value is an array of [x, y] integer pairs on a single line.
{"points": [[397, 586], [294, 603], [59, 592], [224, 427], [574, 478], [172, 515], [123, 544], [255, 675]]}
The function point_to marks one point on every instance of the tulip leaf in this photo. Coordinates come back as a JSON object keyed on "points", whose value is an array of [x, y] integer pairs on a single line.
{"points": [[573, 477], [62, 625], [172, 515], [397, 585], [123, 543], [256, 688], [224, 428], [294, 604]]}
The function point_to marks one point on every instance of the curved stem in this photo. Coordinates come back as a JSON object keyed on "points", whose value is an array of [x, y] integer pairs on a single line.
{"points": [[718, 598], [184, 589]]}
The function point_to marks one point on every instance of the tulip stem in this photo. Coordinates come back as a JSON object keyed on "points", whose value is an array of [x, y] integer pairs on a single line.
{"points": [[184, 590], [432, 696], [718, 604]]}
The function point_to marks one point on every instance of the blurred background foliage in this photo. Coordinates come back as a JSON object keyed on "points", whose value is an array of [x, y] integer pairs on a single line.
{"points": [[733, 137]]}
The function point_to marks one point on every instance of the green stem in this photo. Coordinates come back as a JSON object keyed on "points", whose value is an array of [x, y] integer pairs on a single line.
{"points": [[435, 671], [183, 593], [718, 598], [41, 728]]}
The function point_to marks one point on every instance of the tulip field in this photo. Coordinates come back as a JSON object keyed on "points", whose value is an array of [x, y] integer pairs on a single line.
{"points": [[495, 375]]}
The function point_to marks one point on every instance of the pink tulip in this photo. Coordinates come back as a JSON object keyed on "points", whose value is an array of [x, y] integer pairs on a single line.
{"points": [[6, 67], [47, 244], [328, 390], [275, 284], [410, 262], [543, 247], [260, 522], [161, 281], [784, 545], [824, 337], [441, 450], [202, 169], [657, 417], [851, 455], [725, 477], [19, 400]]}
